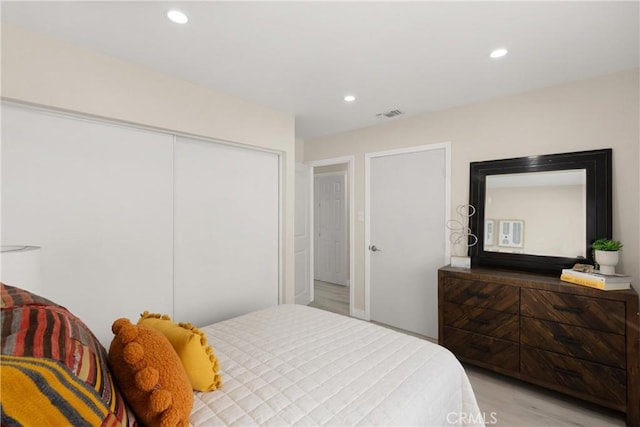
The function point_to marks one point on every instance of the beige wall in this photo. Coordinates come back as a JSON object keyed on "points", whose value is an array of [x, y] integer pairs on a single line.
{"points": [[597, 113], [46, 72]]}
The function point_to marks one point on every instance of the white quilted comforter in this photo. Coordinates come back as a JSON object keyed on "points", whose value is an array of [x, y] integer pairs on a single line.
{"points": [[296, 365]]}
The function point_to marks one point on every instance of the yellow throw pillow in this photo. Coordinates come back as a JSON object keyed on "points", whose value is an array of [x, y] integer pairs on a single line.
{"points": [[190, 344]]}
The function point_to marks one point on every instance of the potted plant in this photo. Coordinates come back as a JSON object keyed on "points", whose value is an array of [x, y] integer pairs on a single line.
{"points": [[605, 254]]}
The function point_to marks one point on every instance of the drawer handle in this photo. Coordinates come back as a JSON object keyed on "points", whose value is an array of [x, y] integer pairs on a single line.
{"points": [[568, 309], [480, 321], [479, 347], [477, 294], [568, 341], [567, 372]]}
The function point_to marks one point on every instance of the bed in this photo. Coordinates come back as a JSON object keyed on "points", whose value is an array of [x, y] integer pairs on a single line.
{"points": [[296, 365]]}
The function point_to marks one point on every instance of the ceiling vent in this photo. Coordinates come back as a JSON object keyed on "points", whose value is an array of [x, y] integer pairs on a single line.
{"points": [[389, 114]]}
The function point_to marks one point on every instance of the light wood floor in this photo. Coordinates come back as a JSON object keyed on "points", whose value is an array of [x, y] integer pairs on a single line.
{"points": [[515, 403], [505, 402], [331, 297]]}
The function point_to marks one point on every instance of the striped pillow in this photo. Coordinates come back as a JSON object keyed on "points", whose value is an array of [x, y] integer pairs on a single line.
{"points": [[54, 370]]}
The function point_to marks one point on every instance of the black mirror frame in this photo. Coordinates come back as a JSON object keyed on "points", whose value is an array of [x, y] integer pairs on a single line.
{"points": [[598, 165]]}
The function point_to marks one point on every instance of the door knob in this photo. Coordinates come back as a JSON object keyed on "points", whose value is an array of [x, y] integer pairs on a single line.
{"points": [[373, 248]]}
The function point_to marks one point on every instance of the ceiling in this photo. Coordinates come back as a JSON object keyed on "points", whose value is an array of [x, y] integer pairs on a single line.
{"points": [[302, 58]]}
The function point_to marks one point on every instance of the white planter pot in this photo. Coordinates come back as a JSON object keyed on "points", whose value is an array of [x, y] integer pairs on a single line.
{"points": [[607, 260]]}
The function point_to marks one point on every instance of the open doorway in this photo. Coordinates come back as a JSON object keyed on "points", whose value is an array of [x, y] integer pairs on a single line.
{"points": [[332, 236]]}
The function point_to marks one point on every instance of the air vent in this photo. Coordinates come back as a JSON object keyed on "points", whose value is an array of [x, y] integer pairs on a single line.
{"points": [[389, 114]]}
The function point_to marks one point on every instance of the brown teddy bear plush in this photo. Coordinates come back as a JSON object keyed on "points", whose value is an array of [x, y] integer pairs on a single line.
{"points": [[150, 375]]}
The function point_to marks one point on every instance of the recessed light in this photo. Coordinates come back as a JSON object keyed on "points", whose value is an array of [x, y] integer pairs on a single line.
{"points": [[349, 98], [177, 17], [498, 53]]}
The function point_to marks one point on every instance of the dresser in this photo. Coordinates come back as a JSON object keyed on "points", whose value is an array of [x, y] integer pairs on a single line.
{"points": [[569, 338]]}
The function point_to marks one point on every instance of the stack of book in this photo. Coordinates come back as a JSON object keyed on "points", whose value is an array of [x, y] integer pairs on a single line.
{"points": [[597, 280]]}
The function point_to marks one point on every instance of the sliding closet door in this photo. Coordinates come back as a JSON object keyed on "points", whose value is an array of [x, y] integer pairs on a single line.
{"points": [[98, 199], [226, 224]]}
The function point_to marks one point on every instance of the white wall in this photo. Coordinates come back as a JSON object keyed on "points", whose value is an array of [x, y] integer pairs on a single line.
{"points": [[340, 167], [37, 69], [299, 150], [598, 113]]}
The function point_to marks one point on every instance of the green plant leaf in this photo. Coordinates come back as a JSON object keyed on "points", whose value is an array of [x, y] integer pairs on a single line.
{"points": [[606, 245]]}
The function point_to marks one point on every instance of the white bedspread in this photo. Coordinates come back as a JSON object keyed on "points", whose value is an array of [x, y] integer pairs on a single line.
{"points": [[296, 365]]}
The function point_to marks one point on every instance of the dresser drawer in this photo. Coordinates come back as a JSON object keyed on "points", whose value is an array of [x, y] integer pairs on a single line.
{"points": [[586, 379], [597, 346], [482, 294], [596, 313], [497, 324], [490, 351]]}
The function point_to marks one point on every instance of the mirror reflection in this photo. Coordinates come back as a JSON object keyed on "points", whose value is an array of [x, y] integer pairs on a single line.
{"points": [[538, 213]]}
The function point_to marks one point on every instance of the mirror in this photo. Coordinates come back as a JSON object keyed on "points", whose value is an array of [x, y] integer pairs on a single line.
{"points": [[524, 212], [540, 213]]}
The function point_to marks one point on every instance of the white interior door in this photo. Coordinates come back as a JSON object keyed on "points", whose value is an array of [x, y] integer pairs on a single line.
{"points": [[226, 241], [407, 214], [330, 218], [303, 267]]}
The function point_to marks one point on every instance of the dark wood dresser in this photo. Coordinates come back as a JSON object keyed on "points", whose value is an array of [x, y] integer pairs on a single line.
{"points": [[573, 339]]}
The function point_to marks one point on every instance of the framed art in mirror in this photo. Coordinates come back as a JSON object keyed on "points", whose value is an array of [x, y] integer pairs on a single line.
{"points": [[560, 202]]}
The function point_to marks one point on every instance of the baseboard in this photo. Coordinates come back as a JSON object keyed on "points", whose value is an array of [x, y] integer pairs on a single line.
{"points": [[358, 314]]}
